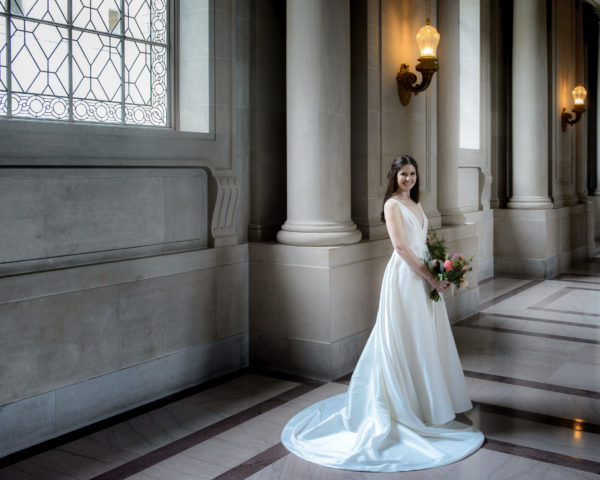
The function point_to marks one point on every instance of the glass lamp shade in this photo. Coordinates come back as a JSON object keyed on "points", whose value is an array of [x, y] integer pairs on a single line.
{"points": [[579, 94], [427, 40]]}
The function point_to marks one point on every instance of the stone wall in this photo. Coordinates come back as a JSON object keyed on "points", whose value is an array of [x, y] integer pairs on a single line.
{"points": [[123, 256]]}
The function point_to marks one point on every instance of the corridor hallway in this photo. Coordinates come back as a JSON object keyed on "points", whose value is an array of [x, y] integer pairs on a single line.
{"points": [[532, 363]]}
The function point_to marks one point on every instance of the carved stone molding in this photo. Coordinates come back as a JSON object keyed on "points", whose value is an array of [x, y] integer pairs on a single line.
{"points": [[224, 193], [485, 186]]}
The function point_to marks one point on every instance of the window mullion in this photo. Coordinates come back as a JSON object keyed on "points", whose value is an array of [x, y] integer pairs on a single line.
{"points": [[8, 61], [70, 22], [123, 62]]}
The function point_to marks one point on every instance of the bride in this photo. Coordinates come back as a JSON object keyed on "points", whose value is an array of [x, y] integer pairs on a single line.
{"points": [[399, 411]]}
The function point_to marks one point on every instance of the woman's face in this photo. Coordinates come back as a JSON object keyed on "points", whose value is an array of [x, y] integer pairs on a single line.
{"points": [[406, 177]]}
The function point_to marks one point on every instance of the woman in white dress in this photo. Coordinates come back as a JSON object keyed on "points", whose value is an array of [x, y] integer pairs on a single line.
{"points": [[399, 411]]}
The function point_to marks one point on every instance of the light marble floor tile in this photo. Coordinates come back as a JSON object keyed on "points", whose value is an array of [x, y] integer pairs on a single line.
{"points": [[238, 395], [499, 286], [577, 375], [113, 446], [588, 354], [523, 325], [325, 391]]}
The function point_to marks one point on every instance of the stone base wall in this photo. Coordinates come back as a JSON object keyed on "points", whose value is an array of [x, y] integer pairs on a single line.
{"points": [[542, 243], [484, 224], [84, 343]]}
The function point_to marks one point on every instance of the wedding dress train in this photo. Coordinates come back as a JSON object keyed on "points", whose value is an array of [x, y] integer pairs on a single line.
{"points": [[398, 413]]}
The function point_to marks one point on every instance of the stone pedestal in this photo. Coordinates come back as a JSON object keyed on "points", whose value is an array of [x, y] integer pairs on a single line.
{"points": [[541, 243], [312, 308]]}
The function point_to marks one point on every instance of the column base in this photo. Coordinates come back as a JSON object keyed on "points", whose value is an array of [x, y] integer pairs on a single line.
{"points": [[583, 198], [302, 235], [530, 203]]}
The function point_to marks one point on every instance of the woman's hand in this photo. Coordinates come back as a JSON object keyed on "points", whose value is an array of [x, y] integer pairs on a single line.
{"points": [[439, 285]]}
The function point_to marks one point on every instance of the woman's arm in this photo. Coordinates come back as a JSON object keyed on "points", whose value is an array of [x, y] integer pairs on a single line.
{"points": [[395, 227]]}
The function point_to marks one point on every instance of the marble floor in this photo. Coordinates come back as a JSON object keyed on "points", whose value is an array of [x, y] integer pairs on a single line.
{"points": [[531, 359]]}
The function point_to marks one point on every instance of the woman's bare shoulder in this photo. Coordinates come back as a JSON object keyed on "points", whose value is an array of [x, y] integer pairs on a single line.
{"points": [[391, 206]]}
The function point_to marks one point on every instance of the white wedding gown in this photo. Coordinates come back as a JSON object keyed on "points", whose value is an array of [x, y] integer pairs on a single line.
{"points": [[398, 411]]}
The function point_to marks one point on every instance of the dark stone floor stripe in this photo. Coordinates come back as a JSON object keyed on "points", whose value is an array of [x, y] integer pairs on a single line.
{"points": [[533, 334], [531, 384], [571, 424], [542, 455], [562, 277], [507, 295], [571, 280], [570, 312], [167, 451], [584, 288], [255, 464], [345, 379], [541, 320]]}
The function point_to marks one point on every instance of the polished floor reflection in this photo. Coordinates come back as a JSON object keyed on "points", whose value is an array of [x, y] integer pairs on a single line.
{"points": [[532, 362]]}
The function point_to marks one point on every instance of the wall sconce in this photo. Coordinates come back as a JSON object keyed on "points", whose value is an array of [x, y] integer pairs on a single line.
{"points": [[579, 94], [427, 40]]}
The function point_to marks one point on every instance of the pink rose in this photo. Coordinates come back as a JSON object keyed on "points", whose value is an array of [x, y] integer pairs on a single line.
{"points": [[465, 268], [448, 265]]}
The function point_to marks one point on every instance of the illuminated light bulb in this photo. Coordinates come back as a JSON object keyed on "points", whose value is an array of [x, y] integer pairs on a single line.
{"points": [[427, 40], [579, 93]]}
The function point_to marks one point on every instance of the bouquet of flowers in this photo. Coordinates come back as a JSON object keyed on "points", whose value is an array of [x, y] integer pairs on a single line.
{"points": [[443, 266]]}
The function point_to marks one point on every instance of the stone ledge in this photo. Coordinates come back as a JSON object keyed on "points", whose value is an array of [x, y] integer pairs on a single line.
{"points": [[37, 284]]}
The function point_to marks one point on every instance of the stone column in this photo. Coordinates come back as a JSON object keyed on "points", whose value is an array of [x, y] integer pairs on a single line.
{"points": [[529, 106], [448, 113], [318, 124], [448, 103], [581, 135]]}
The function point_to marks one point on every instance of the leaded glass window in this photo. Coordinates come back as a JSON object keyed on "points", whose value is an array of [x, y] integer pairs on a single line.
{"points": [[85, 60]]}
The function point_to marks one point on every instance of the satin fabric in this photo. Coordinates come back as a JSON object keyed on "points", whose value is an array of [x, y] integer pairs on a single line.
{"points": [[398, 413]]}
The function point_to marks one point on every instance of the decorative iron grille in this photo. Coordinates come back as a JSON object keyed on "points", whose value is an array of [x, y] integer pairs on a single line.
{"points": [[85, 60]]}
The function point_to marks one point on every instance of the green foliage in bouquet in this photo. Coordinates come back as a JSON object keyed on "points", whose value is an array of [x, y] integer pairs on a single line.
{"points": [[452, 268], [435, 245]]}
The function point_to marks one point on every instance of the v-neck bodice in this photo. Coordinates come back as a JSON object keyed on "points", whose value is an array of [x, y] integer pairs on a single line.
{"points": [[421, 225], [414, 232]]}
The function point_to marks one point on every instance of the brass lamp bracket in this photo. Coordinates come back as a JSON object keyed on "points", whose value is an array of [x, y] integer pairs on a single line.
{"points": [[566, 117], [407, 79]]}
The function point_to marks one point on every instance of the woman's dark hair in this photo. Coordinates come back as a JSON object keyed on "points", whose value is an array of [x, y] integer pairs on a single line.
{"points": [[392, 185]]}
